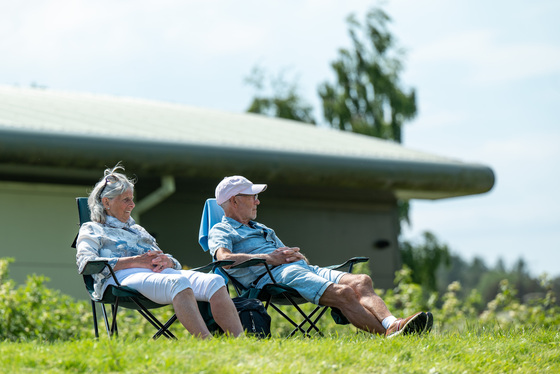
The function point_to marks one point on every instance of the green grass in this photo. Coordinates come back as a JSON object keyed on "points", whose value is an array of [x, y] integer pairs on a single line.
{"points": [[476, 349], [44, 331]]}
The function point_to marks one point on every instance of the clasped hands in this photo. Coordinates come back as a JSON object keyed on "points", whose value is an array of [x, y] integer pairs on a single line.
{"points": [[285, 255], [155, 260]]}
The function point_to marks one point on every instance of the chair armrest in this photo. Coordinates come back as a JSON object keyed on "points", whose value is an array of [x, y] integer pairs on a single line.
{"points": [[124, 291], [254, 262], [213, 265], [350, 263], [94, 267], [97, 266], [250, 262]]}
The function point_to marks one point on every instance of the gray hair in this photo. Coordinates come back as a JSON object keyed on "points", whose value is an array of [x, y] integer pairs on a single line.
{"points": [[112, 184]]}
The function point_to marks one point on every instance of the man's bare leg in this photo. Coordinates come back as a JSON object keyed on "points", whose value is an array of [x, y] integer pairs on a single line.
{"points": [[349, 301], [359, 303], [363, 286]]}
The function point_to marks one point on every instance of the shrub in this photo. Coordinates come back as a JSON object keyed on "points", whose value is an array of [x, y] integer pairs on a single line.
{"points": [[33, 311]]}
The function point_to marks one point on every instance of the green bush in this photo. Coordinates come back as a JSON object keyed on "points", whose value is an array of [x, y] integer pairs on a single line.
{"points": [[455, 314], [32, 311]]}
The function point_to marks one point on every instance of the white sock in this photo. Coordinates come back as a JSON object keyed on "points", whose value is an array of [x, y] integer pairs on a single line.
{"points": [[388, 321]]}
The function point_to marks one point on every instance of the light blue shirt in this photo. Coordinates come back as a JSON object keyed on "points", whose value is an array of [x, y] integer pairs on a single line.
{"points": [[239, 238], [110, 241]]}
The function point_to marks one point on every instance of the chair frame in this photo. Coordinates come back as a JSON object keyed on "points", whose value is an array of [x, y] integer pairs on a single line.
{"points": [[122, 294], [130, 299], [275, 294]]}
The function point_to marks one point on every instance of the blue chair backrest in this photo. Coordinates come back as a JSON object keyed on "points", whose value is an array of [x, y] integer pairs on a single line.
{"points": [[211, 215]]}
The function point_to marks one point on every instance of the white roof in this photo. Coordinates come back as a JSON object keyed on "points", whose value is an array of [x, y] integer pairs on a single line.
{"points": [[65, 115]]}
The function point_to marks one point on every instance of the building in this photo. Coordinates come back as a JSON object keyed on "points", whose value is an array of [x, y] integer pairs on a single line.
{"points": [[331, 193]]}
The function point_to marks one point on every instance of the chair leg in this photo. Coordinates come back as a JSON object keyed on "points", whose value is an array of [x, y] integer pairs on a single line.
{"points": [[267, 303], [112, 330], [106, 319], [115, 310], [323, 310], [94, 319], [311, 324], [287, 318], [306, 319], [162, 329], [165, 329]]}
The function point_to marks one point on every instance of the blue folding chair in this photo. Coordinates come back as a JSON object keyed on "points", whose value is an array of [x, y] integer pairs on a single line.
{"points": [[274, 294]]}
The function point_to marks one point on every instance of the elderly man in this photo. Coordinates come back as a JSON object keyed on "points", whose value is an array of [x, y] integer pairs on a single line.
{"points": [[238, 237]]}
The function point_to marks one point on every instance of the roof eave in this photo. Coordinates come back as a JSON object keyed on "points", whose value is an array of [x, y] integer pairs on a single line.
{"points": [[408, 179]]}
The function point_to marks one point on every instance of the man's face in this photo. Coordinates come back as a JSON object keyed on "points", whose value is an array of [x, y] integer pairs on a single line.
{"points": [[247, 207]]}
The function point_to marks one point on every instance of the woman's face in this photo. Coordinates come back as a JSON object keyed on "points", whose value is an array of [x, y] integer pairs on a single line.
{"points": [[121, 206]]}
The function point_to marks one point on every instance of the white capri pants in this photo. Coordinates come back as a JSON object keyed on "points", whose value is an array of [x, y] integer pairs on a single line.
{"points": [[163, 287]]}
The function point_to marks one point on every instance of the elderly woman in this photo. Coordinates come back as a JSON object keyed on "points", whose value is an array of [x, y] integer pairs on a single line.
{"points": [[140, 264]]}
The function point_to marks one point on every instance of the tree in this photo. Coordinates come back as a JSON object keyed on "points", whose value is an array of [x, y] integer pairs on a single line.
{"points": [[424, 259], [285, 101], [367, 97]]}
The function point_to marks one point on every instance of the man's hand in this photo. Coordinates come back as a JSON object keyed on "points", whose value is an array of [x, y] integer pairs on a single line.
{"points": [[285, 255], [282, 255]]}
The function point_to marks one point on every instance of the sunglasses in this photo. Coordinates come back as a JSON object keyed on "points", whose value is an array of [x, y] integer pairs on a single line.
{"points": [[108, 179], [255, 197]]}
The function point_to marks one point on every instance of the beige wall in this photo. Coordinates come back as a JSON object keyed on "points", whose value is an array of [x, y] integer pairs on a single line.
{"points": [[38, 223], [328, 233], [331, 233]]}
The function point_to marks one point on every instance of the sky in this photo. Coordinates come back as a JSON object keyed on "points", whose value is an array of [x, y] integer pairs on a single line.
{"points": [[486, 74]]}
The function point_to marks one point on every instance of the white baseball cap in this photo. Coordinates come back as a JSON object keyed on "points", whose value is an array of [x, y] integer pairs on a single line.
{"points": [[235, 185]]}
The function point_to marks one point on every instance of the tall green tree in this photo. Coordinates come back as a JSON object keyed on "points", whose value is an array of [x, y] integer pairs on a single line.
{"points": [[367, 96], [277, 97]]}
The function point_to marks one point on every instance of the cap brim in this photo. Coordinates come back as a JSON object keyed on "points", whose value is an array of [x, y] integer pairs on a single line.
{"points": [[255, 189]]}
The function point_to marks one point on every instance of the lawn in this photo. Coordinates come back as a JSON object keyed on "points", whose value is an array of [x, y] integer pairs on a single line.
{"points": [[44, 331], [477, 349]]}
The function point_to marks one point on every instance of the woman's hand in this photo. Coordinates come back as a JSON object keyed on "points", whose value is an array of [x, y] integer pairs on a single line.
{"points": [[160, 262], [155, 260]]}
